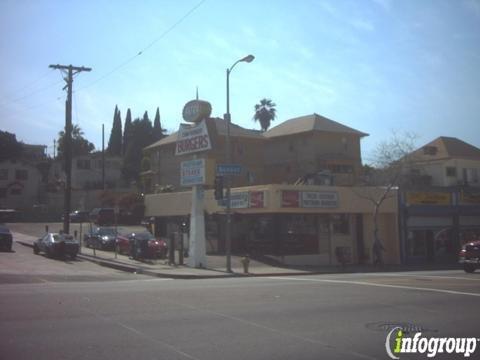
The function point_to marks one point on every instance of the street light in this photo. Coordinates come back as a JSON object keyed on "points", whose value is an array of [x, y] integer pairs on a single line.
{"points": [[227, 118]]}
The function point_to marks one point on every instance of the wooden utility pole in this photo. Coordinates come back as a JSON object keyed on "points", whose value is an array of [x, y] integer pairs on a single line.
{"points": [[69, 71]]}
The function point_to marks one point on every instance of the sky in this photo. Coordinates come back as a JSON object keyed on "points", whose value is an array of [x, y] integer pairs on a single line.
{"points": [[378, 66]]}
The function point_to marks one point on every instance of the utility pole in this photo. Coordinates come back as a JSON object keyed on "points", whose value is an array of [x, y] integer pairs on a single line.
{"points": [[103, 157], [69, 71]]}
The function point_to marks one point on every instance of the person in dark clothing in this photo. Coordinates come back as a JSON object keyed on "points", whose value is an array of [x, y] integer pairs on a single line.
{"points": [[378, 250]]}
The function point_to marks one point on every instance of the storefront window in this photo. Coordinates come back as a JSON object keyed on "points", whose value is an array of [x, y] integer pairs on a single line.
{"points": [[469, 235], [260, 237], [299, 234], [432, 244]]}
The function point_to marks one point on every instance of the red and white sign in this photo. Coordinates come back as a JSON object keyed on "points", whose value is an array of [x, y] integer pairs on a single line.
{"points": [[257, 199], [192, 139], [290, 199]]}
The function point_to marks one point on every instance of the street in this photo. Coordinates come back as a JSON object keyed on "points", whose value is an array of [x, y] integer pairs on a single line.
{"points": [[54, 309]]}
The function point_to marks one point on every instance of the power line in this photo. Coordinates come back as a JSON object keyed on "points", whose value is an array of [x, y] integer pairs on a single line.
{"points": [[31, 83], [30, 94], [162, 35]]}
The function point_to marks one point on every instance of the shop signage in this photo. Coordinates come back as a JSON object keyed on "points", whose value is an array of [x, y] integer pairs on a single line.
{"points": [[290, 199], [470, 197], [239, 200], [192, 172], [192, 139], [309, 199], [319, 199], [428, 198], [196, 110], [257, 199], [246, 199]]}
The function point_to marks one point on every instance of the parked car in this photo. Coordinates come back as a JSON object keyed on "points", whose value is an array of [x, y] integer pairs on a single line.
{"points": [[142, 245], [55, 245], [6, 238], [470, 256], [102, 238], [78, 216], [102, 216]]}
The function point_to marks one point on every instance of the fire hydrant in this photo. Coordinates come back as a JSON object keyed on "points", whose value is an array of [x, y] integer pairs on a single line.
{"points": [[245, 262]]}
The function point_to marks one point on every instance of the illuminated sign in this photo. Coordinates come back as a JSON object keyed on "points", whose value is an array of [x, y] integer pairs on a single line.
{"points": [[192, 139]]}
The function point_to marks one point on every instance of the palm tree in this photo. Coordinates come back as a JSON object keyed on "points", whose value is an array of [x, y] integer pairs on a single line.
{"points": [[265, 113]]}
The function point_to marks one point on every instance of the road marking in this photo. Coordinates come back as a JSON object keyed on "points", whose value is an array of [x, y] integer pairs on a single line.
{"points": [[139, 333], [281, 332], [427, 276], [365, 283]]}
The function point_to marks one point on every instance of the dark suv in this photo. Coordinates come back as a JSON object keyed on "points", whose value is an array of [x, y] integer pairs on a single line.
{"points": [[102, 216], [470, 256]]}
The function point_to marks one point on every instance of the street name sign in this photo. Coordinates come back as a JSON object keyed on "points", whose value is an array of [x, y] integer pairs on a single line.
{"points": [[228, 169]]}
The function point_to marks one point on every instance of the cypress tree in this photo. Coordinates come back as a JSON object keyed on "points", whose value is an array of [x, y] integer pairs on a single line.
{"points": [[127, 131], [115, 142], [157, 127]]}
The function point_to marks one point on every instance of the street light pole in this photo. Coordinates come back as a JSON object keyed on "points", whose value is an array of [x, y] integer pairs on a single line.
{"points": [[227, 118]]}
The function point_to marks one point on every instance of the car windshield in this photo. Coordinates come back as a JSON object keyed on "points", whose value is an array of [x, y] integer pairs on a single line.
{"points": [[144, 236], [106, 231], [58, 237]]}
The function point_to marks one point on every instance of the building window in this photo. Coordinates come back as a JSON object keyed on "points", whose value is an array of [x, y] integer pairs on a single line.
{"points": [[3, 174], [16, 191], [451, 171], [21, 174], [429, 150], [340, 223], [340, 169], [83, 164]]}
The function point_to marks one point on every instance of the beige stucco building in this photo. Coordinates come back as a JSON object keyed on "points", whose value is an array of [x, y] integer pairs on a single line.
{"points": [[295, 199]]}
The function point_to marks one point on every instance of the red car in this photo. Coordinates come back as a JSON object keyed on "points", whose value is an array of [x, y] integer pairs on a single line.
{"points": [[470, 256], [142, 245]]}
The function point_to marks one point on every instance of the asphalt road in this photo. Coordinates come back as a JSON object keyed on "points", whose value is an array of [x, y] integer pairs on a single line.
{"points": [[311, 317]]}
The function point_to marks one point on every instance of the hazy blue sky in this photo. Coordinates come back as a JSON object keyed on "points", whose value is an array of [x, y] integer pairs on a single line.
{"points": [[374, 65]]}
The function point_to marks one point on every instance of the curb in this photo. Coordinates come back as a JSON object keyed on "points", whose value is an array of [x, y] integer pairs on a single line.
{"points": [[224, 275]]}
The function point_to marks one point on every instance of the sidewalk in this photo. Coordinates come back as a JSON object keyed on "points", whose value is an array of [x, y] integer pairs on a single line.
{"points": [[216, 265]]}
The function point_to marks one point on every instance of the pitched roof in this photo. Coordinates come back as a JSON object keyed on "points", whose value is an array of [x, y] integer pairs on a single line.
{"points": [[307, 123], [447, 147], [220, 125]]}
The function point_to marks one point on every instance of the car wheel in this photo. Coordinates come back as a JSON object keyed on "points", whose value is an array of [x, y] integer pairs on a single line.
{"points": [[469, 268], [35, 249]]}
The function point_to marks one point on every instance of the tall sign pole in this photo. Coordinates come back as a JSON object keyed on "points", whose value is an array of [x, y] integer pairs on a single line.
{"points": [[192, 139], [70, 71]]}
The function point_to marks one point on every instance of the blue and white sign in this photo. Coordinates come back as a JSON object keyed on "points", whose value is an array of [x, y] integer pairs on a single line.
{"points": [[192, 172], [229, 169]]}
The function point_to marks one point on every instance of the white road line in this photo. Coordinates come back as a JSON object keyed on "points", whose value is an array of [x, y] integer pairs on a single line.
{"points": [[139, 333], [429, 276], [281, 332], [365, 283]]}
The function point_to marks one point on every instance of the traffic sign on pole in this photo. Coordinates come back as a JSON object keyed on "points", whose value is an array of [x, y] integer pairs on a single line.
{"points": [[229, 169]]}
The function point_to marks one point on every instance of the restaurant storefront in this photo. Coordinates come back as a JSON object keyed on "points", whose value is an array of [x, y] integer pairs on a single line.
{"points": [[298, 225]]}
